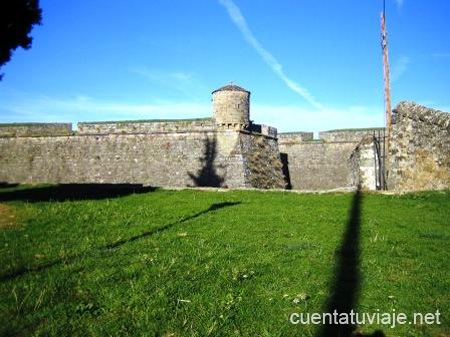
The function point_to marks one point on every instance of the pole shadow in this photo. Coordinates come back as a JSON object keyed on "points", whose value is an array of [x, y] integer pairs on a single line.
{"points": [[68, 259], [213, 207], [345, 290], [63, 192], [207, 175]]}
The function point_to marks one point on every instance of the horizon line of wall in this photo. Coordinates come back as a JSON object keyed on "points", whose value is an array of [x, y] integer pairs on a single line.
{"points": [[172, 125]]}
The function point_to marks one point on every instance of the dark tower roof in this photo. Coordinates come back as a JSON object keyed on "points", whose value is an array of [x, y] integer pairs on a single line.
{"points": [[231, 87]]}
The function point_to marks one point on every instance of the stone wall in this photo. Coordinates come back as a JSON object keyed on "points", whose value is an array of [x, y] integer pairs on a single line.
{"points": [[146, 126], [35, 129], [263, 129], [262, 164], [349, 135], [365, 165], [152, 159], [419, 150], [317, 165], [146, 153], [295, 137], [321, 164], [199, 153]]}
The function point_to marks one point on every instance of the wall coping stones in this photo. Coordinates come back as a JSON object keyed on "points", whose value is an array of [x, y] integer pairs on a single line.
{"points": [[348, 135], [421, 113], [32, 124], [252, 132], [301, 133], [353, 130], [295, 137], [35, 129], [149, 121], [150, 127]]}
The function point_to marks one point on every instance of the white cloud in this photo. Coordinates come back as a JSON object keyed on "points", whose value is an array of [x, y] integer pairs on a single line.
{"points": [[400, 67], [239, 20], [83, 108], [186, 83], [399, 3], [442, 55], [296, 118]]}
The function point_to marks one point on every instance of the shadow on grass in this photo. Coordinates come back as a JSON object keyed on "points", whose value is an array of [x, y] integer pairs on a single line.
{"points": [[346, 286], [213, 207], [7, 185], [65, 192], [71, 258]]}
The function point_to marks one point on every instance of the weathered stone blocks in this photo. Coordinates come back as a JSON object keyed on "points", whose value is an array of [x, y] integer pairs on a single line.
{"points": [[419, 148]]}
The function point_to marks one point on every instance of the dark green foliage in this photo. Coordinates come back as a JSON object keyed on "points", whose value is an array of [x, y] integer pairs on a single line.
{"points": [[17, 18]]}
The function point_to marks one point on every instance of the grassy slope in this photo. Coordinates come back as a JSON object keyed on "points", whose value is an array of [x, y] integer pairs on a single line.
{"points": [[221, 270]]}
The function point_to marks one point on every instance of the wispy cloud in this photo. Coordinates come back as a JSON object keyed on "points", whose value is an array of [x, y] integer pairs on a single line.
{"points": [[442, 55], [399, 3], [84, 108], [400, 67], [239, 20], [296, 118], [186, 83]]}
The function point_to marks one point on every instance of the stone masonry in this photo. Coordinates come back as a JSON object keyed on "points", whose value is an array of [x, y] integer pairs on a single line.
{"points": [[200, 152], [229, 150], [419, 148], [321, 164]]}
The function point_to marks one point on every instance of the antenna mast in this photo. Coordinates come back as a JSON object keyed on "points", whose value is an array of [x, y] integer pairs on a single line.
{"points": [[387, 88]]}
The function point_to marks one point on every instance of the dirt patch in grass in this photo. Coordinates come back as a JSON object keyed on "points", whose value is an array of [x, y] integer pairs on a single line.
{"points": [[8, 217]]}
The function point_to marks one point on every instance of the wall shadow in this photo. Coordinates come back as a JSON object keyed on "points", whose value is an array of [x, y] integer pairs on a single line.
{"points": [[347, 273], [68, 259], [207, 175], [7, 185], [285, 168], [63, 192]]}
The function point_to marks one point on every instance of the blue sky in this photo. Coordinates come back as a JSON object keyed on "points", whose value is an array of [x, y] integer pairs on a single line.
{"points": [[310, 64]]}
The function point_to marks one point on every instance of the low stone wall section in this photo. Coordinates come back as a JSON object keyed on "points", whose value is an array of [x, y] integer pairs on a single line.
{"points": [[35, 129], [146, 126], [317, 165], [262, 164], [350, 135], [419, 150], [170, 160]]}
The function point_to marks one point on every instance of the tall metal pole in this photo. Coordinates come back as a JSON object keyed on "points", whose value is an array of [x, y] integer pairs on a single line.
{"points": [[386, 85]]}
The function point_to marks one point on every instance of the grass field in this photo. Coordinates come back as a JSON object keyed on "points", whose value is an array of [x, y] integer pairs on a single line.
{"points": [[203, 263]]}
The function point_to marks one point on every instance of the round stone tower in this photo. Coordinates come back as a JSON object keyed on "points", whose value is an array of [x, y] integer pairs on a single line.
{"points": [[231, 107]]}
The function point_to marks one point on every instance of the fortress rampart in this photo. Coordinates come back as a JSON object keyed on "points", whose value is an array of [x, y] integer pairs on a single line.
{"points": [[222, 151], [35, 129], [324, 163], [146, 126], [229, 150]]}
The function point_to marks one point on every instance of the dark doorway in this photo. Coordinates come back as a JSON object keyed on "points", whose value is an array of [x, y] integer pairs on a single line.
{"points": [[285, 168]]}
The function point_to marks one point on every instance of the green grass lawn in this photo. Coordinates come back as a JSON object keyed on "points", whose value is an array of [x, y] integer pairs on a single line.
{"points": [[201, 263]]}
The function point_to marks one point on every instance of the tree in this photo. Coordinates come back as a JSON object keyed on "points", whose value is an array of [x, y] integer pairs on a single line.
{"points": [[17, 18]]}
